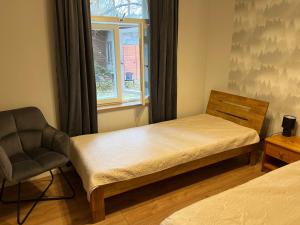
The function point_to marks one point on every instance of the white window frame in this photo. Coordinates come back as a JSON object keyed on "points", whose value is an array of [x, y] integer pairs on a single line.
{"points": [[113, 23]]}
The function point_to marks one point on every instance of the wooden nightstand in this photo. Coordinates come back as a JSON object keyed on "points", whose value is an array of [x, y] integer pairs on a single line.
{"points": [[280, 150]]}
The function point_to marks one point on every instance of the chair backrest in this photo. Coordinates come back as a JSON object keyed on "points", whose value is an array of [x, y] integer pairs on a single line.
{"points": [[21, 130]]}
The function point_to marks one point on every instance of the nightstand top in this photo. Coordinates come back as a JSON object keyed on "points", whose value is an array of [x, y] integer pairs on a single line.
{"points": [[291, 143]]}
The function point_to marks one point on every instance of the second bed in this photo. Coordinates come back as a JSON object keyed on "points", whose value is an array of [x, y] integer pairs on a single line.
{"points": [[272, 199]]}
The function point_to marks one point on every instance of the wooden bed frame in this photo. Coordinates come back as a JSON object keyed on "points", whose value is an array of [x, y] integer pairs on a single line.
{"points": [[241, 110]]}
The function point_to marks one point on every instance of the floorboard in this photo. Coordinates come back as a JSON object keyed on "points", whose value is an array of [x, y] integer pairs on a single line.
{"points": [[144, 206]]}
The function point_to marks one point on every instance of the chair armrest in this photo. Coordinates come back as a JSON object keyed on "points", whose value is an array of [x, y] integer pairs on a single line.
{"points": [[5, 165], [56, 140]]}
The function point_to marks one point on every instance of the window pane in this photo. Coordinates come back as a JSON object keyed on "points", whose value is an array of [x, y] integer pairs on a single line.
{"points": [[130, 62], [105, 64], [146, 60], [120, 8]]}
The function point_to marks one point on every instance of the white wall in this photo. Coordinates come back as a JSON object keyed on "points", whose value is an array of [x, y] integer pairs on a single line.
{"points": [[220, 28], [120, 119], [192, 43], [27, 56]]}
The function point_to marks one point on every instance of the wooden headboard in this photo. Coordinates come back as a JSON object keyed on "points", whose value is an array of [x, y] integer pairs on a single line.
{"points": [[247, 112]]}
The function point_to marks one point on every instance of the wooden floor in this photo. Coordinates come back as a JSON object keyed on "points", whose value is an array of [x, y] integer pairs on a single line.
{"points": [[145, 206]]}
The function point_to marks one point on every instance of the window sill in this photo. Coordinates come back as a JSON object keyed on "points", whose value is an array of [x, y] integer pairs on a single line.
{"points": [[122, 106]]}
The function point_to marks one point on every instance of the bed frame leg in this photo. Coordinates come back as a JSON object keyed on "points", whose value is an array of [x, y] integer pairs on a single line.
{"points": [[97, 205], [252, 158]]}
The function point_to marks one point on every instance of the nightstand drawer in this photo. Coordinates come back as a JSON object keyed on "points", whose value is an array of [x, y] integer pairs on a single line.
{"points": [[281, 153]]}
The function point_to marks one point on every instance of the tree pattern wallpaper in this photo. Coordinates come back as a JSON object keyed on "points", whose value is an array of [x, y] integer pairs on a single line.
{"points": [[265, 56]]}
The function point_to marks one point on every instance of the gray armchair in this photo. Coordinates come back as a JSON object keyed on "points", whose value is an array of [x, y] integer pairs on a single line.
{"points": [[28, 147]]}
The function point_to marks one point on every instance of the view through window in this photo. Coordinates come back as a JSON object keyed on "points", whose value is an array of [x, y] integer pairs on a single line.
{"points": [[121, 50]]}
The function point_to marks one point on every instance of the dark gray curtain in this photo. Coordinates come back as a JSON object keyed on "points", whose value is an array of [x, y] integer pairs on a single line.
{"points": [[163, 62], [75, 68]]}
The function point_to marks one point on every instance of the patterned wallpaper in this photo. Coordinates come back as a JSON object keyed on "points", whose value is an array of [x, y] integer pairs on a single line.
{"points": [[265, 56]]}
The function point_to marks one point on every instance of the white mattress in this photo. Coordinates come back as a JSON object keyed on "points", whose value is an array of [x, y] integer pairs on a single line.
{"points": [[121, 155], [272, 199]]}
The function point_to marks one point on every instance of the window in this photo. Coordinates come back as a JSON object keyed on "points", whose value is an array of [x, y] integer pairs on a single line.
{"points": [[109, 52], [121, 48], [137, 9]]}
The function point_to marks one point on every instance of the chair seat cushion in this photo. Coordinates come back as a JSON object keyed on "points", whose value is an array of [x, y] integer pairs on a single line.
{"points": [[34, 162]]}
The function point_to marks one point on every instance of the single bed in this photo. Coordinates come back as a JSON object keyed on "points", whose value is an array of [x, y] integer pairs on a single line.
{"points": [[272, 199], [115, 162]]}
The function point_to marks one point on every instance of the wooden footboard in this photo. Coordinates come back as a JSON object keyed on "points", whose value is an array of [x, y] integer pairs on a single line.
{"points": [[99, 194]]}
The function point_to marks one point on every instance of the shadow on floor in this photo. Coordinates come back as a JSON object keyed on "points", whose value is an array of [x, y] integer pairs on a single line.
{"points": [[77, 212]]}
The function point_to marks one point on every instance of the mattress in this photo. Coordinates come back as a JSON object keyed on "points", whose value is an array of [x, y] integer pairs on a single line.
{"points": [[105, 158], [272, 199]]}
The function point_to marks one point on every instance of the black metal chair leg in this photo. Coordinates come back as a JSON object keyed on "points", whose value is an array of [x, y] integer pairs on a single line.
{"points": [[61, 197], [44, 198], [35, 200], [69, 184], [2, 189], [18, 204]]}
